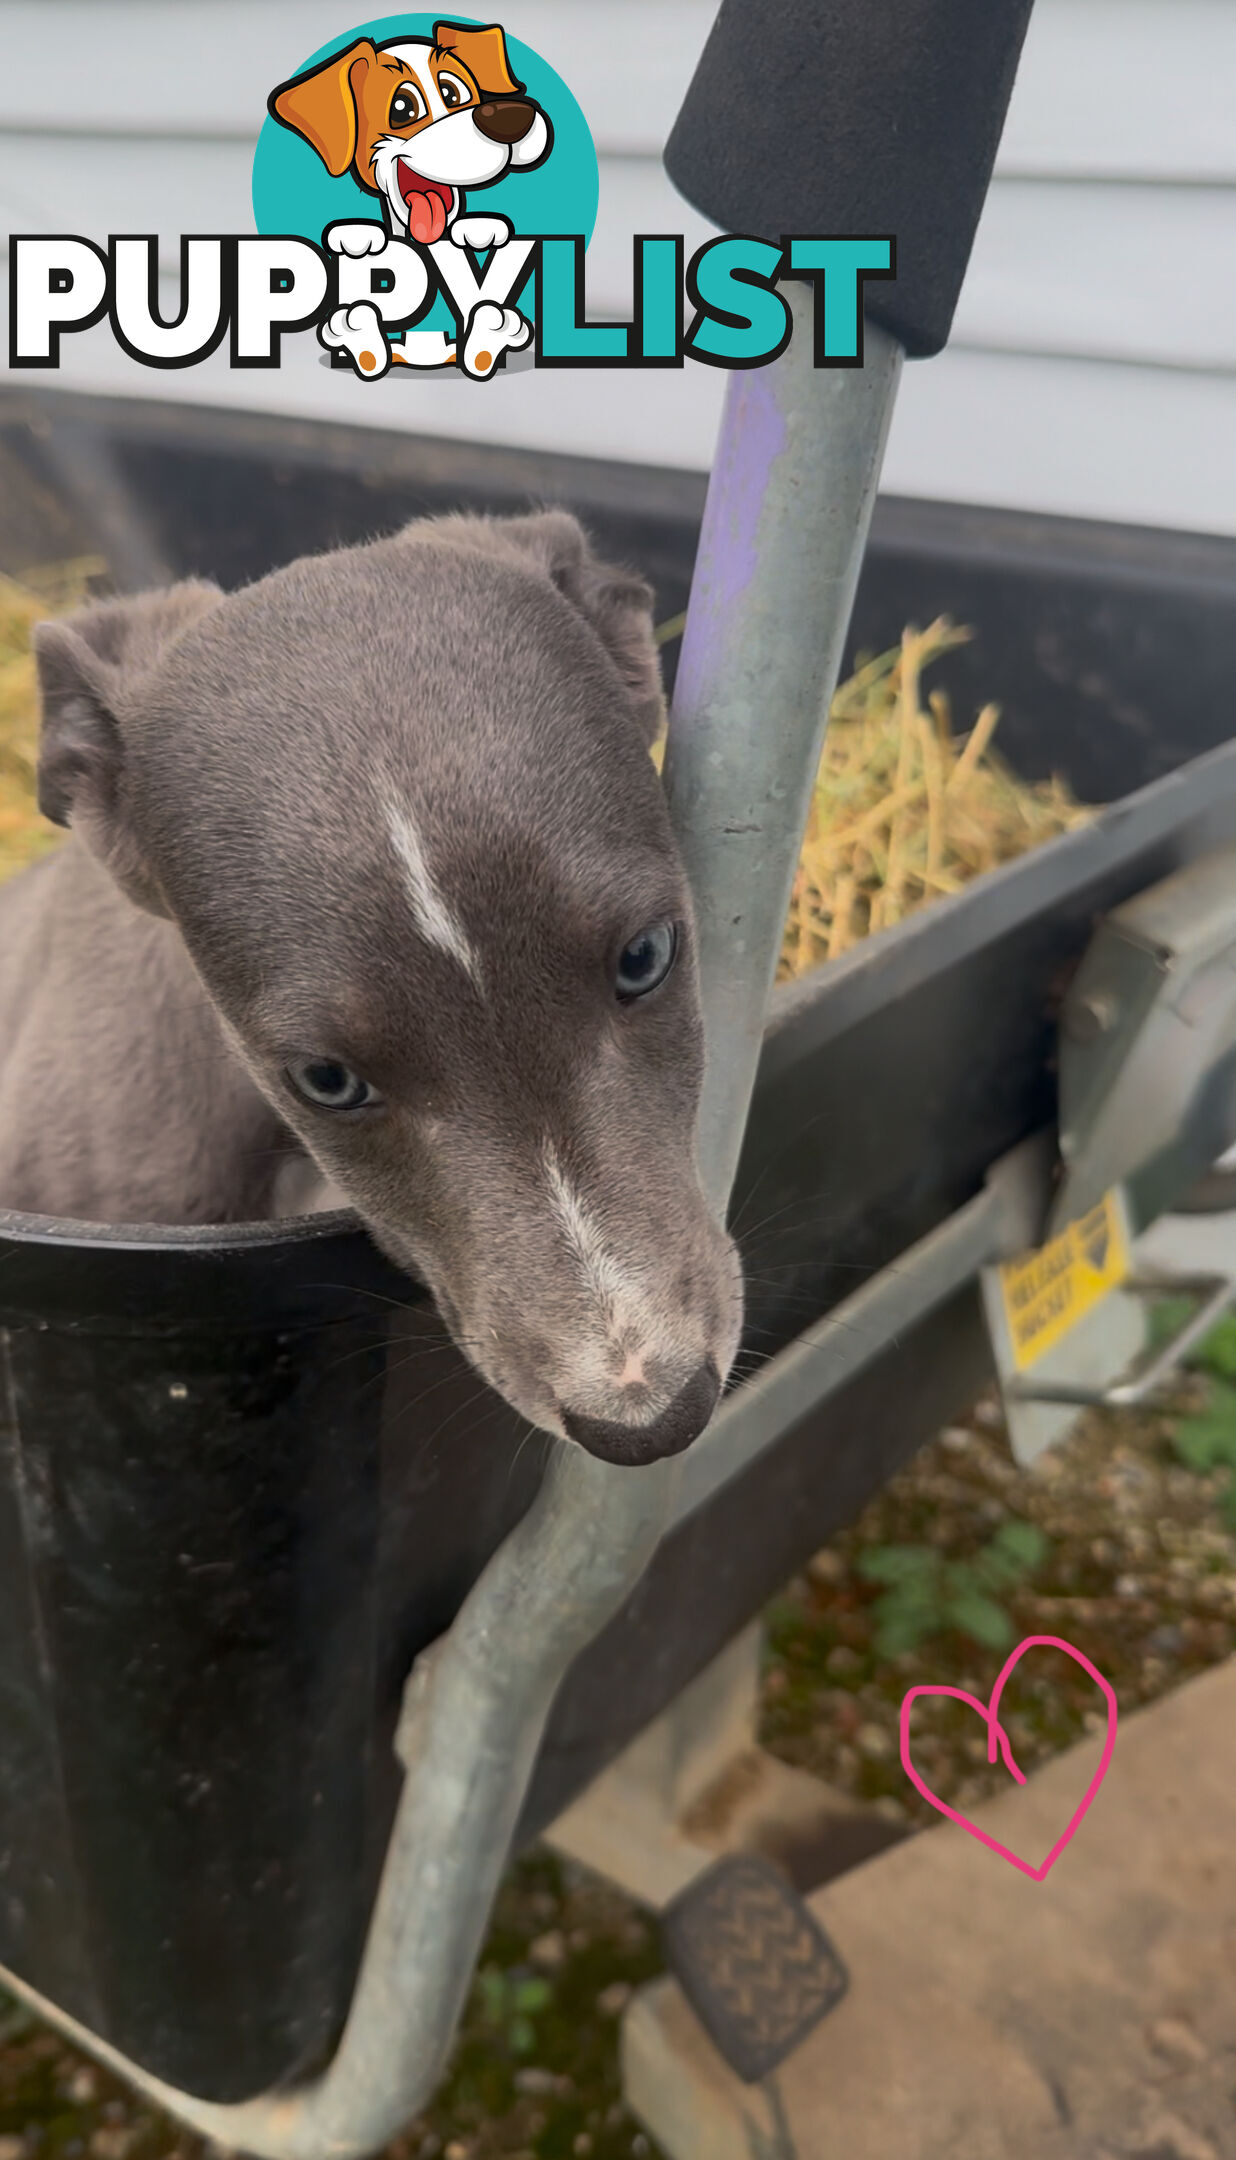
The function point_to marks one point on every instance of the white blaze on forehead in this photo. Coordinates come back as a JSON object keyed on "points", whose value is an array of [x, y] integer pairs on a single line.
{"points": [[435, 918]]}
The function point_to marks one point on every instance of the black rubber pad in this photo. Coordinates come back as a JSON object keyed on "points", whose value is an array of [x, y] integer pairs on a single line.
{"points": [[849, 117], [753, 1962]]}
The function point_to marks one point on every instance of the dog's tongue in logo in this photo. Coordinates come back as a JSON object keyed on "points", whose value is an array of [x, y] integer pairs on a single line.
{"points": [[428, 204]]}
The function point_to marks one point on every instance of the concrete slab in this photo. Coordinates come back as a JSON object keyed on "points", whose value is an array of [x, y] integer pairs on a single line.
{"points": [[991, 2017]]}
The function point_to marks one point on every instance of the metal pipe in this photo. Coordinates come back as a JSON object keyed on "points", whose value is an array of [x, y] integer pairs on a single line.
{"points": [[784, 530], [785, 525], [820, 1360]]}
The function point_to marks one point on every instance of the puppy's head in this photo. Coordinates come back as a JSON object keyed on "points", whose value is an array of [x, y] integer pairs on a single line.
{"points": [[398, 801], [418, 120]]}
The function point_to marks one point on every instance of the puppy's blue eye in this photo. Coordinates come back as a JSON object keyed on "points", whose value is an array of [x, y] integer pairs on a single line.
{"points": [[328, 1085], [646, 961]]}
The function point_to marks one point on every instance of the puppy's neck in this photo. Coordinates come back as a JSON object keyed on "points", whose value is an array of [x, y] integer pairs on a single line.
{"points": [[145, 1113]]}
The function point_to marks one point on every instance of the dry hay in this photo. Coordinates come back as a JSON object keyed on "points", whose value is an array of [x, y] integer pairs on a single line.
{"points": [[902, 813]]}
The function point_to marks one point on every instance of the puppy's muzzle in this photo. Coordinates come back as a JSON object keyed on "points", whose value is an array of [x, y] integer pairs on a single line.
{"points": [[505, 120], [669, 1434]]}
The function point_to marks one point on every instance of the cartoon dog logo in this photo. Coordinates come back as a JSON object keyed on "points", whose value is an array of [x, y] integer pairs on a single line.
{"points": [[416, 122]]}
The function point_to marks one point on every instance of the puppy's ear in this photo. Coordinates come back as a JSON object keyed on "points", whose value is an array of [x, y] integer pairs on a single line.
{"points": [[617, 603], [483, 53], [321, 105], [85, 665]]}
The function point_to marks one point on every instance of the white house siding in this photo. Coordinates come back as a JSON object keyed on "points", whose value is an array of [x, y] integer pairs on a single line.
{"points": [[1093, 364]]}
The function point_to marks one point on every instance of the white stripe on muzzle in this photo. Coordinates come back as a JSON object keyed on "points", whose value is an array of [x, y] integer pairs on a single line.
{"points": [[620, 1295]]}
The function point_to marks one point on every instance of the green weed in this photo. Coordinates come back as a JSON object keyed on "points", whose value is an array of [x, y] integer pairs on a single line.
{"points": [[1205, 1440], [925, 1594], [509, 2002]]}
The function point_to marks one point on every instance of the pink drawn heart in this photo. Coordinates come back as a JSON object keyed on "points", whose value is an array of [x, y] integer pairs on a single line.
{"points": [[997, 1737]]}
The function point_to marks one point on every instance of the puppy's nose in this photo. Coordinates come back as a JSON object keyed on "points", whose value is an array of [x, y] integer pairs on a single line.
{"points": [[668, 1434], [505, 120]]}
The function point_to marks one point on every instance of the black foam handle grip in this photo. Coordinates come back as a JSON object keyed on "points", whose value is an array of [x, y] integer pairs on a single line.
{"points": [[843, 117]]}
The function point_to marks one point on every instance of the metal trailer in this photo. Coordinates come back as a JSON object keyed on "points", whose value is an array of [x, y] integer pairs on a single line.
{"points": [[296, 1646]]}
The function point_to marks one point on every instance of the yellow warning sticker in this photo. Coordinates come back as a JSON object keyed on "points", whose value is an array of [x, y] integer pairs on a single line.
{"points": [[1047, 1292]]}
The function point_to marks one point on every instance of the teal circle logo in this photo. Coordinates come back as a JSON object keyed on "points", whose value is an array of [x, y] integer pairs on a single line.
{"points": [[294, 191]]}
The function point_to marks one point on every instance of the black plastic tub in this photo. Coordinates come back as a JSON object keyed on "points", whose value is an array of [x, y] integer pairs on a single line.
{"points": [[234, 1499]]}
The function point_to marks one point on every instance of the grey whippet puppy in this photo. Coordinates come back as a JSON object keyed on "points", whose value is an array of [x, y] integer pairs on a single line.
{"points": [[369, 861]]}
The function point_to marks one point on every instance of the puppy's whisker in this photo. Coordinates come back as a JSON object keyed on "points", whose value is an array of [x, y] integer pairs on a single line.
{"points": [[534, 1432], [793, 1142]]}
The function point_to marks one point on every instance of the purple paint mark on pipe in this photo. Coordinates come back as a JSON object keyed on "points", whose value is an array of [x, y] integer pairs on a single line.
{"points": [[752, 438]]}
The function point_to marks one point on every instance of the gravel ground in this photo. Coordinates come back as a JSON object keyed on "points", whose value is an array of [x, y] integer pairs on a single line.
{"points": [[1133, 1563], [1139, 1573]]}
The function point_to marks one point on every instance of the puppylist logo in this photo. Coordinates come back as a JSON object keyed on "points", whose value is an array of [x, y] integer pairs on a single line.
{"points": [[424, 192]]}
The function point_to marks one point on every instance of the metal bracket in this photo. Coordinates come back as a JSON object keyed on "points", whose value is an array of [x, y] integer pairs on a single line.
{"points": [[1149, 1014], [1149, 1018], [1216, 1294]]}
